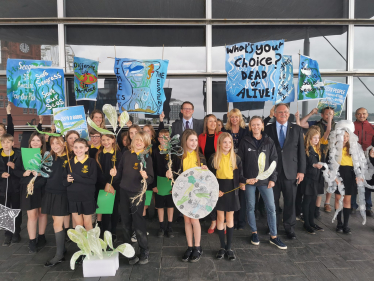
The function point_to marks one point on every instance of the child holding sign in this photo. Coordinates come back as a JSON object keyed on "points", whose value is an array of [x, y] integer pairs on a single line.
{"points": [[191, 158], [80, 182], [160, 166], [108, 157], [55, 200]]}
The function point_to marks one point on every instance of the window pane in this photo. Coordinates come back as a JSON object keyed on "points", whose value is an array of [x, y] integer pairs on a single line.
{"points": [[280, 9], [181, 90], [363, 53], [364, 95], [136, 9], [364, 9], [320, 49], [28, 8], [24, 42]]}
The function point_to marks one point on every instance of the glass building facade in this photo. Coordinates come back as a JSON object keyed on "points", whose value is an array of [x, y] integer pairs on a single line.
{"points": [[192, 35]]}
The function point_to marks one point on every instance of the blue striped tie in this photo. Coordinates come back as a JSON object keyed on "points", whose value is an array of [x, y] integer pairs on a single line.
{"points": [[281, 136]]}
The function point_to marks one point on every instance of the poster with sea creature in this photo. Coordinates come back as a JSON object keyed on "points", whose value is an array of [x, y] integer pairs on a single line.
{"points": [[195, 192], [310, 84], [85, 79], [141, 85]]}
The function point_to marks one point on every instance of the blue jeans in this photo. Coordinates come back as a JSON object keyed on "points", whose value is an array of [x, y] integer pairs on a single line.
{"points": [[369, 204], [268, 196]]}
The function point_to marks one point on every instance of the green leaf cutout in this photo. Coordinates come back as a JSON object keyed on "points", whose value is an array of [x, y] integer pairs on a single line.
{"points": [[100, 130]]}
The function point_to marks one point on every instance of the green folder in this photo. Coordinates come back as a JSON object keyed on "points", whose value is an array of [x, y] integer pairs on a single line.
{"points": [[148, 197], [105, 201], [163, 186], [28, 154]]}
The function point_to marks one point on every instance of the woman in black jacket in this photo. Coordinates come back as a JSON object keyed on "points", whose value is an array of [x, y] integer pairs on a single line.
{"points": [[249, 151]]}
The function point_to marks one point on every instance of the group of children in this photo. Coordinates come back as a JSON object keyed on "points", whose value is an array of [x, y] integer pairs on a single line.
{"points": [[80, 171]]}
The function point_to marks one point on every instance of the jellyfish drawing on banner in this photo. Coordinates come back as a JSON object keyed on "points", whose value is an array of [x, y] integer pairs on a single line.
{"points": [[195, 192], [360, 165], [310, 85], [140, 85]]}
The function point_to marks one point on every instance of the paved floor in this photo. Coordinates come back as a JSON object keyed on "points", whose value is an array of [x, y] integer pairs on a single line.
{"points": [[324, 256]]}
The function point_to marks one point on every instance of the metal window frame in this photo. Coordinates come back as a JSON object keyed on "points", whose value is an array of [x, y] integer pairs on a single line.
{"points": [[208, 22]]}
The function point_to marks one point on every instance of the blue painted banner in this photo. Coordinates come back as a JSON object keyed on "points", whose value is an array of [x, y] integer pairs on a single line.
{"points": [[310, 85], [335, 97], [48, 89], [85, 79], [140, 85], [20, 87], [286, 89], [253, 70], [68, 116]]}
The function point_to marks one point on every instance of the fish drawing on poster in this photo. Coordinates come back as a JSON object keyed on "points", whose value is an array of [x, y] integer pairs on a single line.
{"points": [[85, 79], [253, 70], [140, 85], [48, 89], [335, 97], [310, 85], [20, 87], [286, 89], [67, 117]]}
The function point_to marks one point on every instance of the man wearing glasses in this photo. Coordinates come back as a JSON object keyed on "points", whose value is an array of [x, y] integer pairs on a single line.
{"points": [[289, 142], [187, 122]]}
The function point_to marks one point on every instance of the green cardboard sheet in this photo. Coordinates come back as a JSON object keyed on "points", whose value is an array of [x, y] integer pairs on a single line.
{"points": [[163, 186], [148, 197], [28, 154], [105, 201]]}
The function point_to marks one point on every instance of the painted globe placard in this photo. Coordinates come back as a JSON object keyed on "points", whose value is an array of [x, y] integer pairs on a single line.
{"points": [[195, 192]]}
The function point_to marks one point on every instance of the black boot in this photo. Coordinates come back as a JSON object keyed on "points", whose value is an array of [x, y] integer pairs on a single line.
{"points": [[41, 241], [60, 247], [32, 246]]}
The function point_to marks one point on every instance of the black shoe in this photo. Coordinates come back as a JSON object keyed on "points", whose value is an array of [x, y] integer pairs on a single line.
{"points": [[32, 246], [7, 241], [339, 229], [41, 241], [317, 227], [220, 254], [300, 218], [347, 230], [169, 232], [133, 260], [160, 233], [16, 238], [187, 254], [230, 255], [369, 213], [291, 235], [353, 211], [309, 229], [143, 258], [196, 254], [49, 264]]}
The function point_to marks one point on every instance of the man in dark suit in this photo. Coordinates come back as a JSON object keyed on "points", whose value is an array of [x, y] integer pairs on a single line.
{"points": [[187, 122], [289, 142]]}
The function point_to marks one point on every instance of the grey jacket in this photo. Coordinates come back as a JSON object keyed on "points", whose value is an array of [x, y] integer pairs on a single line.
{"points": [[177, 127]]}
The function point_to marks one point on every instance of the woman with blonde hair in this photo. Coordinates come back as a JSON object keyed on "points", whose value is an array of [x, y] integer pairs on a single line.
{"points": [[235, 126]]}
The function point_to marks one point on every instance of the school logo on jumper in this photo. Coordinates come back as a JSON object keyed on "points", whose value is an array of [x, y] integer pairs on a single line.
{"points": [[64, 164], [114, 159], [136, 166], [167, 157], [85, 169]]}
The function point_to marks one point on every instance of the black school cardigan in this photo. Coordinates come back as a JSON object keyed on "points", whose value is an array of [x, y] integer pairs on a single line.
{"points": [[15, 174]]}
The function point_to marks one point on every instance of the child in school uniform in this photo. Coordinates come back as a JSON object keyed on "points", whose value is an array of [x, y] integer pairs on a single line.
{"points": [[80, 182], [55, 200], [130, 175], [227, 167], [95, 137], [109, 156], [160, 166], [70, 138], [33, 203], [191, 158], [313, 183], [133, 130], [10, 184]]}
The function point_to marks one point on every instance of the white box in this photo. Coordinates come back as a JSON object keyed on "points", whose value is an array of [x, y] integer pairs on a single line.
{"points": [[96, 267]]}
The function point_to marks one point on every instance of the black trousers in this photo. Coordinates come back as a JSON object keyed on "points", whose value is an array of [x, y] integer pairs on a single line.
{"points": [[132, 215], [239, 216], [288, 189], [109, 222], [299, 201], [309, 205], [14, 202]]}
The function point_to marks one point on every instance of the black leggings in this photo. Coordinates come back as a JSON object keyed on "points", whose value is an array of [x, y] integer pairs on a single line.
{"points": [[309, 205]]}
